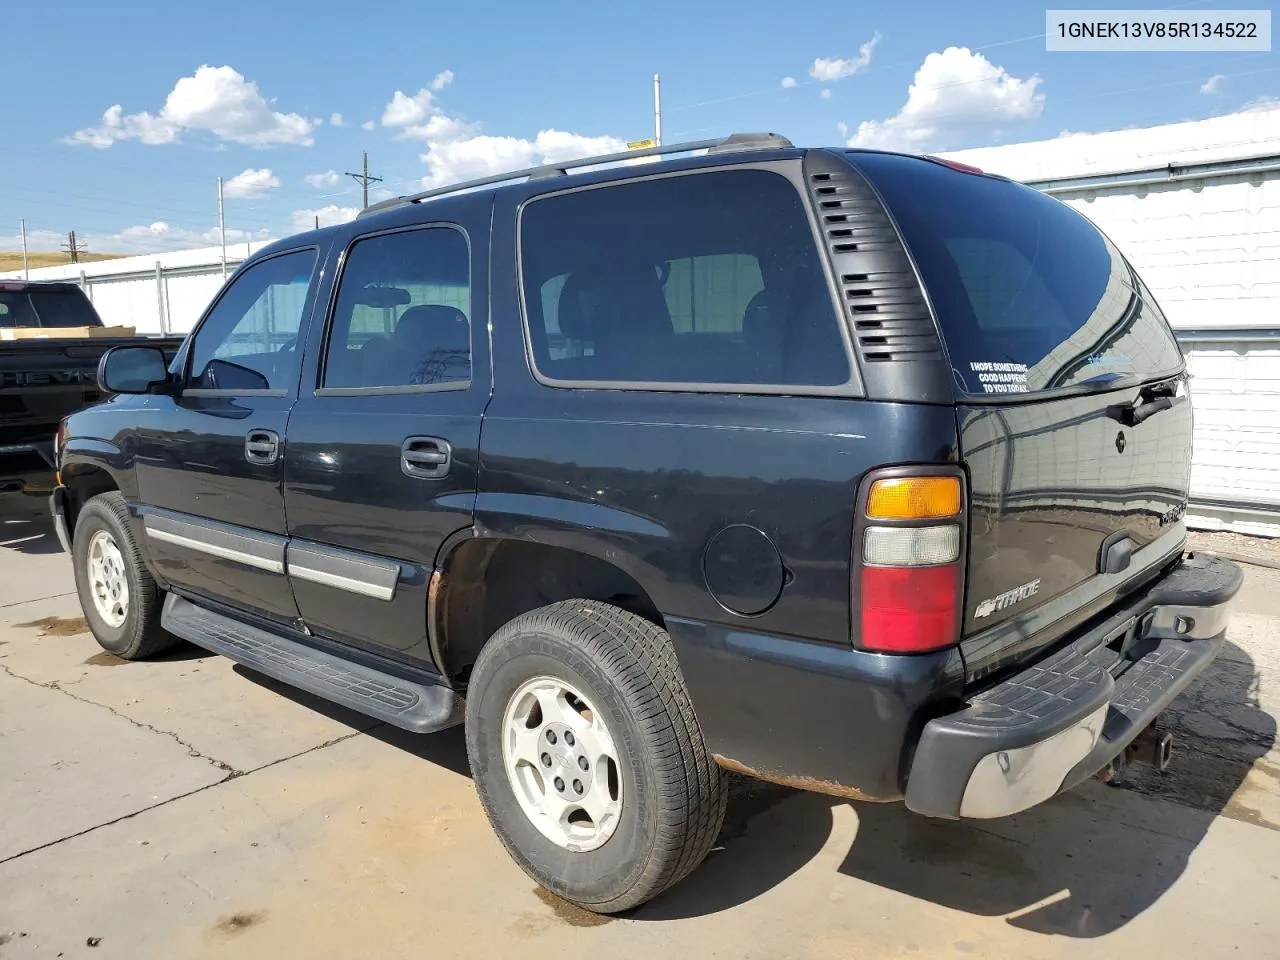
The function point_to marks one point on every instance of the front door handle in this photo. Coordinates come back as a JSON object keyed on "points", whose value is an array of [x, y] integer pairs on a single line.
{"points": [[262, 446], [426, 458]]}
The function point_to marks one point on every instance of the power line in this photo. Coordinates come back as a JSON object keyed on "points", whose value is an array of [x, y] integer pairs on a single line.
{"points": [[363, 178]]}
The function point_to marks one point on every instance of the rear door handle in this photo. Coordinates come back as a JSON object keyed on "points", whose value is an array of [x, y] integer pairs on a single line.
{"points": [[426, 458], [262, 446]]}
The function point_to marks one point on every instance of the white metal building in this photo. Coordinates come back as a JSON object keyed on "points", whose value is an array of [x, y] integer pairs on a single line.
{"points": [[1196, 207], [155, 293]]}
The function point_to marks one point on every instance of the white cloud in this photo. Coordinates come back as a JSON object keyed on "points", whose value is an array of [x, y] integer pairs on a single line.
{"points": [[115, 126], [368, 125], [1213, 84], [216, 100], [405, 111], [843, 129], [328, 216], [457, 150], [153, 237], [330, 178], [479, 156], [788, 83], [957, 97], [160, 235], [335, 120], [837, 69], [826, 93], [250, 183], [1262, 103], [419, 117]]}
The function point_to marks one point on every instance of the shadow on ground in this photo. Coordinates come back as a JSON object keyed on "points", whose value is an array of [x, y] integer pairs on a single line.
{"points": [[1080, 866], [27, 530], [446, 749]]}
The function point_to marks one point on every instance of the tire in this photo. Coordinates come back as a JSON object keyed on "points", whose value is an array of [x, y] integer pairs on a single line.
{"points": [[138, 634], [672, 794]]}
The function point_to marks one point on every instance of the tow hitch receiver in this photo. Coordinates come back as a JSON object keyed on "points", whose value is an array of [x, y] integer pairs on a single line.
{"points": [[1153, 747]]}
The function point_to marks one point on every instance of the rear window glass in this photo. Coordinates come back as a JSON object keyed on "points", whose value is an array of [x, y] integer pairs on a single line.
{"points": [[709, 278], [46, 308], [1029, 294]]}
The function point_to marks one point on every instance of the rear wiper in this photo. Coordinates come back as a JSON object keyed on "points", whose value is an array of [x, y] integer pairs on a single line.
{"points": [[1150, 400], [1105, 380]]}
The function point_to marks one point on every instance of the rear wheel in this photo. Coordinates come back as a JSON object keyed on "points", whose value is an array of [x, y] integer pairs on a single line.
{"points": [[120, 600], [587, 756]]}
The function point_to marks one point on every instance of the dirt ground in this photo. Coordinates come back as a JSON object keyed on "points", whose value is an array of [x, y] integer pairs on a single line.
{"points": [[189, 808]]}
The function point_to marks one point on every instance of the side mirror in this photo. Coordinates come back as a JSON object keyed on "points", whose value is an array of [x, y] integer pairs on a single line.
{"points": [[225, 375], [132, 370]]}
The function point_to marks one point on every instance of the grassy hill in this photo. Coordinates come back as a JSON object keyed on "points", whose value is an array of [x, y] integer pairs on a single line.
{"points": [[13, 261]]}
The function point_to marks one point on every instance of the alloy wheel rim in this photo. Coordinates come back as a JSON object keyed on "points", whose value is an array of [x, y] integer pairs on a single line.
{"points": [[107, 581], [562, 763]]}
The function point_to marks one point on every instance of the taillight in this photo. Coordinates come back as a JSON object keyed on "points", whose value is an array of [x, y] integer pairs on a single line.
{"points": [[59, 441], [909, 562]]}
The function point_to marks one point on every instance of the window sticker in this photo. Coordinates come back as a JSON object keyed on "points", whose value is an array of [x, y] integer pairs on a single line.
{"points": [[1001, 377]]}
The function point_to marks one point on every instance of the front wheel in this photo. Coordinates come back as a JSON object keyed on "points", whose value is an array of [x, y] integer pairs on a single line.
{"points": [[587, 756], [120, 600]]}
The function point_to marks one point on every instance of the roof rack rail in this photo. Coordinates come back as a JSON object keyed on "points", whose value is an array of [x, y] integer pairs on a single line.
{"points": [[730, 144]]}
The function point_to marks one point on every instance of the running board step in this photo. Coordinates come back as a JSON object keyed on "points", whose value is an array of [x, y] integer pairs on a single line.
{"points": [[417, 707]]}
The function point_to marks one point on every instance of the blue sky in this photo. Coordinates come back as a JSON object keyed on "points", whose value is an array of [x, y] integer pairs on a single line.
{"points": [[128, 112]]}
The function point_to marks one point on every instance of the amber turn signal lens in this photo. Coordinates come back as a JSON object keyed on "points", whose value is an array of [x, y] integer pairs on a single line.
{"points": [[914, 498]]}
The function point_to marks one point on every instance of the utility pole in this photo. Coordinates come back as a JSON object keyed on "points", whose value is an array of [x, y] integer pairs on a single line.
{"points": [[657, 109], [222, 229], [22, 227], [73, 248], [363, 177]]}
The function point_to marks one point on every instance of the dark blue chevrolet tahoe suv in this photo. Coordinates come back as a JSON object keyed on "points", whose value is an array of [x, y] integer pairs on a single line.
{"points": [[859, 472]]}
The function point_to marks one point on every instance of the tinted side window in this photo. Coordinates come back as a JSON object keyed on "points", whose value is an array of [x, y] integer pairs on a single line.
{"points": [[705, 278], [46, 308], [249, 340], [402, 313]]}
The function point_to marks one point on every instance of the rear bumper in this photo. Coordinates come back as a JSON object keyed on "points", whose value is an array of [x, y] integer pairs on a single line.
{"points": [[1056, 723]]}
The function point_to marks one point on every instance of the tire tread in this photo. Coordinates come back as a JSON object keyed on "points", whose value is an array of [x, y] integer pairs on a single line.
{"points": [[641, 659]]}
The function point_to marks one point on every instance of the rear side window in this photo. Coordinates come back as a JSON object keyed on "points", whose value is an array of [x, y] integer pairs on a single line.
{"points": [[34, 307], [709, 278], [1029, 295], [401, 316]]}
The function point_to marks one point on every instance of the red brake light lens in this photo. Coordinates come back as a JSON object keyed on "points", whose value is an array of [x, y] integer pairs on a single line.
{"points": [[909, 609], [955, 165]]}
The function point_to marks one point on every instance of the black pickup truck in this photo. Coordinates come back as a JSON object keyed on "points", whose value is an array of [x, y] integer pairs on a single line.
{"points": [[45, 378], [857, 471]]}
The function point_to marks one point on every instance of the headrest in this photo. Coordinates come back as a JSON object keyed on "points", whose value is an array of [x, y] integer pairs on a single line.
{"points": [[630, 287], [442, 326]]}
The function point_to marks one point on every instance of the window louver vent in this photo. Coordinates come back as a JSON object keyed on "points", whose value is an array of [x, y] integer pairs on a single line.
{"points": [[881, 295]]}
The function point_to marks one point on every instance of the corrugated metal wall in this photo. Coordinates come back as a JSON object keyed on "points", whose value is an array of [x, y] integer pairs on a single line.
{"points": [[1209, 248]]}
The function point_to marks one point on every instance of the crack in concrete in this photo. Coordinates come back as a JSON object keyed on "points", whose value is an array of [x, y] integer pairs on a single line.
{"points": [[191, 750], [18, 603], [233, 775]]}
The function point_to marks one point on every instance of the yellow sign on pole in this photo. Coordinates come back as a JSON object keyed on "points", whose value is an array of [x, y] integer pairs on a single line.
{"points": [[641, 144]]}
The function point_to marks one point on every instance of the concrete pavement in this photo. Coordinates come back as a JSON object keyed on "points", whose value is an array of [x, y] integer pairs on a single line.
{"points": [[187, 808]]}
